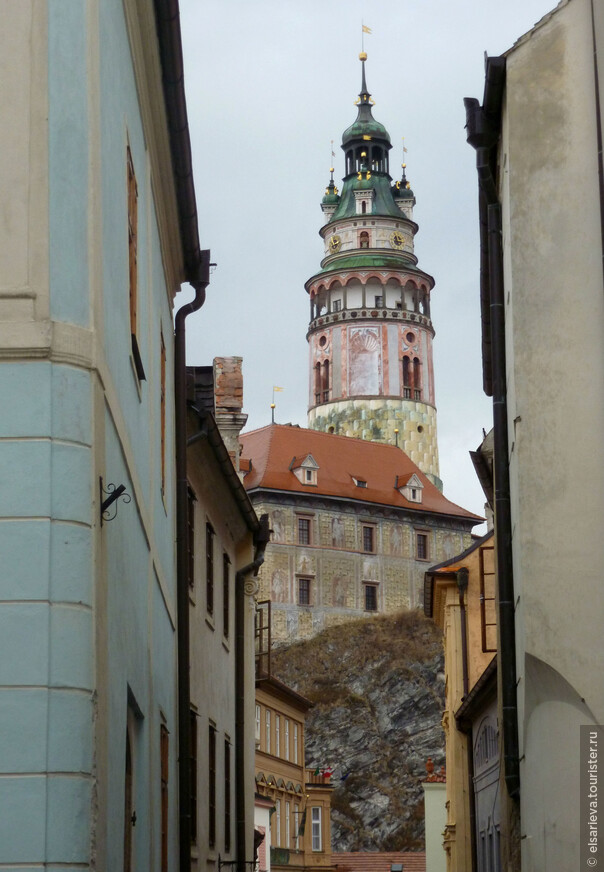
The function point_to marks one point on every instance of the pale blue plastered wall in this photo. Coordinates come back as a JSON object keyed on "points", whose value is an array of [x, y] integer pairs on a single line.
{"points": [[49, 465], [46, 599]]}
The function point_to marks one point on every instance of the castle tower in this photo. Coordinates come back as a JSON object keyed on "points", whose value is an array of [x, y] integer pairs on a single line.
{"points": [[370, 333]]}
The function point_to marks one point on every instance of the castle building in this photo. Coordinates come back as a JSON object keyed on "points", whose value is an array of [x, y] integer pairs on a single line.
{"points": [[354, 526], [355, 521], [370, 333]]}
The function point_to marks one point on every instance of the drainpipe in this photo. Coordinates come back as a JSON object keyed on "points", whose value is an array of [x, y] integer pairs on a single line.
{"points": [[261, 539], [200, 284], [462, 586], [483, 126]]}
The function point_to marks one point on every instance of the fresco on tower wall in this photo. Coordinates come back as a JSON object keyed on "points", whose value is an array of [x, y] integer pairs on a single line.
{"points": [[364, 361]]}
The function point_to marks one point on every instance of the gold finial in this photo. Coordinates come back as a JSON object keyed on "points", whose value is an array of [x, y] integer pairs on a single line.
{"points": [[404, 166], [363, 56], [331, 169]]}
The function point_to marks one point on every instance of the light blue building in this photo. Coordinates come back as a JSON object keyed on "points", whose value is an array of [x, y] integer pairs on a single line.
{"points": [[96, 237]]}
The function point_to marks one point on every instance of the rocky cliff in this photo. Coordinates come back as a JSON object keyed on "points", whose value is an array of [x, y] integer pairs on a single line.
{"points": [[378, 691]]}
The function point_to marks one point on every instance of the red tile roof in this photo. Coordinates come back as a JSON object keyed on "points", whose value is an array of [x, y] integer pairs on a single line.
{"points": [[358, 861], [272, 448]]}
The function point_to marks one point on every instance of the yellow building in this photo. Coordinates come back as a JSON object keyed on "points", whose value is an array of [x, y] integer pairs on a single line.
{"points": [[300, 825], [459, 595]]}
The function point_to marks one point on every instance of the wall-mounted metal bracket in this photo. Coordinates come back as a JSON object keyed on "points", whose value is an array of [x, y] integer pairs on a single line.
{"points": [[109, 496]]}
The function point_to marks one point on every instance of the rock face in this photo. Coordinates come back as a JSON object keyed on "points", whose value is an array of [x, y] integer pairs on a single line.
{"points": [[378, 691]]}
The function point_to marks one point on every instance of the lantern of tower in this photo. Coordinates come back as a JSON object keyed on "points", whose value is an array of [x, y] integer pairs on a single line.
{"points": [[370, 332]]}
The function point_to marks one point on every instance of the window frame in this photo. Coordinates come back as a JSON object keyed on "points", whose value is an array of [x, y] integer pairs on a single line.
{"points": [[316, 828], [304, 582], [226, 589], [132, 219], [164, 753], [210, 539], [193, 773], [267, 731], [305, 520], [423, 537], [212, 786], [227, 795], [372, 530], [370, 586]]}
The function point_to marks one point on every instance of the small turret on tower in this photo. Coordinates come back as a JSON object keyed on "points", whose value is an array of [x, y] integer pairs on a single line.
{"points": [[370, 333]]}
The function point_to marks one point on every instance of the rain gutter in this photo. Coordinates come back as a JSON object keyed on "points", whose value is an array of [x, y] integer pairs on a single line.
{"points": [[483, 124]]}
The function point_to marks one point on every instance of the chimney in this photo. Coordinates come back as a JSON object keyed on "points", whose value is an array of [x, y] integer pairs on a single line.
{"points": [[228, 403]]}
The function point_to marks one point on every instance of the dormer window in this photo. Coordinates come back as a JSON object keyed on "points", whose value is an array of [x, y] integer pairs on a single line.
{"points": [[359, 482], [411, 489], [305, 469]]}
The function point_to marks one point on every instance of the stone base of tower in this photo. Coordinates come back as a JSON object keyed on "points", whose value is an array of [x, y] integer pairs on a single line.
{"points": [[377, 419]]}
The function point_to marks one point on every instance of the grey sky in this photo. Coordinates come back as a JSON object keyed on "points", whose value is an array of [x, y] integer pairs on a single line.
{"points": [[269, 85]]}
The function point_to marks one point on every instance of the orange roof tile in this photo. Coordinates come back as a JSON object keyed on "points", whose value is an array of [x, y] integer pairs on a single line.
{"points": [[360, 861], [340, 458]]}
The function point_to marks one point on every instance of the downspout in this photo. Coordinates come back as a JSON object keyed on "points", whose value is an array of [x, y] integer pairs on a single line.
{"points": [[483, 134], [462, 585], [261, 539], [200, 284]]}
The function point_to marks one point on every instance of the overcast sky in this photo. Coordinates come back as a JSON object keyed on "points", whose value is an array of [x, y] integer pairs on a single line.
{"points": [[269, 84]]}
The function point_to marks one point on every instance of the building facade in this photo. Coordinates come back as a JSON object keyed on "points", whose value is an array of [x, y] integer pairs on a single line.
{"points": [[460, 597], [94, 246], [223, 545], [299, 835], [538, 137], [370, 333], [354, 526]]}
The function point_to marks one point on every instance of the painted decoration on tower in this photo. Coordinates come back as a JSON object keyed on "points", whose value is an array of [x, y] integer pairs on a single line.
{"points": [[364, 362]]}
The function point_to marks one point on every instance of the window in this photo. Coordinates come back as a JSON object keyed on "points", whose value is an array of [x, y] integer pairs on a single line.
{"points": [[210, 568], [304, 591], [162, 410], [364, 239], [277, 735], [267, 735], [227, 795], [368, 539], [128, 814], [277, 822], [421, 546], [379, 301], [193, 774], [295, 743], [359, 482], [286, 739], [304, 531], [133, 262], [337, 305], [258, 723], [191, 537], [316, 828], [226, 577], [488, 611], [325, 380], [297, 823], [164, 758], [287, 833], [212, 786], [370, 598]]}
